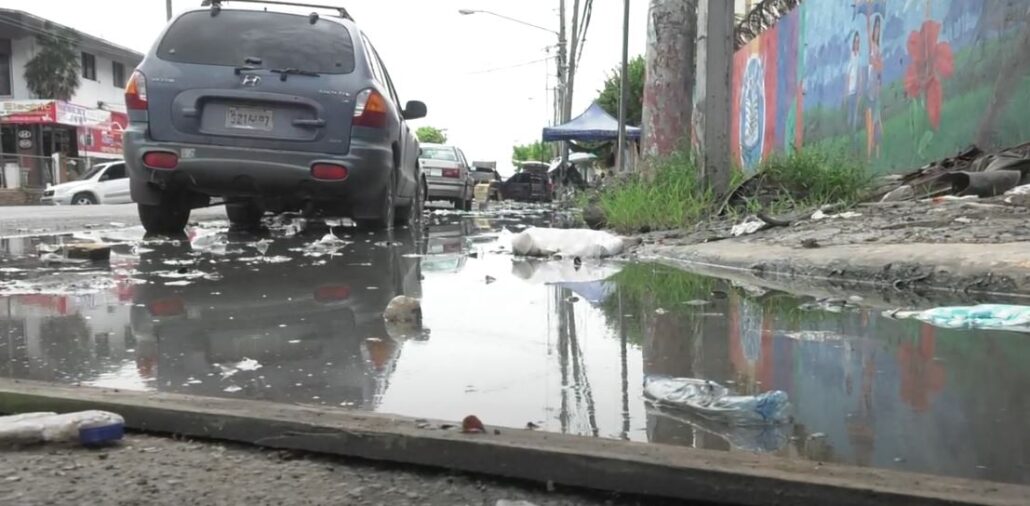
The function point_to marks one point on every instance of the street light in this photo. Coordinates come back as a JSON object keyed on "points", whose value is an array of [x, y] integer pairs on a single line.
{"points": [[565, 71], [469, 12]]}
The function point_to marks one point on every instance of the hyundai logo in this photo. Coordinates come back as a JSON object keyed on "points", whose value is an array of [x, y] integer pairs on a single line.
{"points": [[251, 80]]}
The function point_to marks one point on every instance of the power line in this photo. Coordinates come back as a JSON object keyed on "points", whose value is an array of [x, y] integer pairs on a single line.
{"points": [[509, 67]]}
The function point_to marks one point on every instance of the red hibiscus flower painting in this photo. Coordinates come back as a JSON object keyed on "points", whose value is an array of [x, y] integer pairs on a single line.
{"points": [[930, 62]]}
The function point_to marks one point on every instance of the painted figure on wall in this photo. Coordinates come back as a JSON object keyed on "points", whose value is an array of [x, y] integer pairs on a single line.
{"points": [[854, 97], [873, 120]]}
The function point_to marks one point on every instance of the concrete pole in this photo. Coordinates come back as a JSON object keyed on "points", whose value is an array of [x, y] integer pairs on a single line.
{"points": [[563, 67], [711, 120], [668, 90], [571, 83], [623, 88], [168, 9]]}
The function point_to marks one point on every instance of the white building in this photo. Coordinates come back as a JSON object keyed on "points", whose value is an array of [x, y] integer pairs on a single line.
{"points": [[33, 128]]}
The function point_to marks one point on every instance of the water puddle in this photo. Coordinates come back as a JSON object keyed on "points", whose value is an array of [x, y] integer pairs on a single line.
{"points": [[296, 316]]}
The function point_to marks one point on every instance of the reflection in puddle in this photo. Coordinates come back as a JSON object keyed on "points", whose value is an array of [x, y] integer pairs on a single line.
{"points": [[517, 343]]}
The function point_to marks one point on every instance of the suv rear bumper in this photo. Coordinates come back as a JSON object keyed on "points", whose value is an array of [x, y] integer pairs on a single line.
{"points": [[244, 172]]}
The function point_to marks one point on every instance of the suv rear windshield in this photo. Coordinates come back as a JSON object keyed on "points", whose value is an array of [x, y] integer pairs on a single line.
{"points": [[279, 40]]}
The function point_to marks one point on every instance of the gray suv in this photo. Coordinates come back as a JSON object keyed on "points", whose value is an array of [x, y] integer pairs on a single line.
{"points": [[272, 112]]}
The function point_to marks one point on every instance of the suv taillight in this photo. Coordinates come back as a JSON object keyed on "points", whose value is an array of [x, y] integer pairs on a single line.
{"points": [[136, 92], [370, 109]]}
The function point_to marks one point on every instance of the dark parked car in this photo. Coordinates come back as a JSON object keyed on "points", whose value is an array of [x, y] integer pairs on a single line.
{"points": [[530, 184], [272, 111]]}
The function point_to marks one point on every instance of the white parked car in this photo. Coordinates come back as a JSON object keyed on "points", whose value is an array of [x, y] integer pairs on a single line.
{"points": [[104, 184]]}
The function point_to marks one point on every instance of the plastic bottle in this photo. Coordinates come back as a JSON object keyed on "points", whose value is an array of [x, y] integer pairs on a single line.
{"points": [[85, 427]]}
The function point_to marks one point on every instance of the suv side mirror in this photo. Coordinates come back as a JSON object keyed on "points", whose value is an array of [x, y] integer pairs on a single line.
{"points": [[415, 110]]}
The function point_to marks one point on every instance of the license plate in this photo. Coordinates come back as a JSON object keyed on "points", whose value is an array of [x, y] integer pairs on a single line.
{"points": [[249, 118], [436, 172]]}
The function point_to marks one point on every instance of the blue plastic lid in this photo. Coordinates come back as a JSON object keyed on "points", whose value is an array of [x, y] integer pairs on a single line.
{"points": [[103, 434]]}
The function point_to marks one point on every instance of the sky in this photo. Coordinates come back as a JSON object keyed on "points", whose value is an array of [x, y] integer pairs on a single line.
{"points": [[473, 72]]}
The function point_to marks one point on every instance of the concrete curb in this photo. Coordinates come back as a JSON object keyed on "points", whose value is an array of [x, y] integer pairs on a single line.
{"points": [[608, 465], [965, 269]]}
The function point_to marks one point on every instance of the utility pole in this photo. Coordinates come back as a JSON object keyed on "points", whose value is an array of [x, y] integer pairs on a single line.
{"points": [[712, 98], [168, 9], [563, 81], [571, 81], [669, 88], [623, 88]]}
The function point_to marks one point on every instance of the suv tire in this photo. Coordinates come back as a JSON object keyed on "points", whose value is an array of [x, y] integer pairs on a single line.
{"points": [[412, 213], [169, 217], [244, 214], [387, 211]]}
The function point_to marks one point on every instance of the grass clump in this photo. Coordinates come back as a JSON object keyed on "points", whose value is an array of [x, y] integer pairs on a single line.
{"points": [[673, 197], [808, 178]]}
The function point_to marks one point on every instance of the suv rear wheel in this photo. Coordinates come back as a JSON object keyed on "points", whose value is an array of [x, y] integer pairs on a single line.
{"points": [[387, 211], [412, 213], [169, 217], [244, 214]]}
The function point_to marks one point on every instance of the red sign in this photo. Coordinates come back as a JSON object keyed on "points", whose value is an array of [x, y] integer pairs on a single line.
{"points": [[104, 139], [28, 111]]}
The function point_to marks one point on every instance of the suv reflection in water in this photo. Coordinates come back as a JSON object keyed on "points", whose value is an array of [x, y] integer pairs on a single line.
{"points": [[290, 325]]}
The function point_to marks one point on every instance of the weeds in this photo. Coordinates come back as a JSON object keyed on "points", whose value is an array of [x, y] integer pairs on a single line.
{"points": [[674, 197], [812, 178]]}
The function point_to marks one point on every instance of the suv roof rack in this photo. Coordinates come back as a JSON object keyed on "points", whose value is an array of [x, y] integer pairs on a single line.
{"points": [[217, 4]]}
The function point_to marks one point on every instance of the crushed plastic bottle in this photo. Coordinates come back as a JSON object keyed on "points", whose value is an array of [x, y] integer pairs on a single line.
{"points": [[715, 402], [88, 428], [984, 316]]}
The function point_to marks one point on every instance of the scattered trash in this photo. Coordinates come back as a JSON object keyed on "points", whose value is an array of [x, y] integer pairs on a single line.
{"points": [[472, 425], [403, 309], [984, 316], [583, 243], [810, 244], [93, 252], [87, 428], [749, 226], [660, 311], [531, 426], [901, 193], [820, 215], [713, 401]]}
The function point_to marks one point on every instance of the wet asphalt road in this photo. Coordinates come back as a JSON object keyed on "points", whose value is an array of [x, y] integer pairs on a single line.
{"points": [[294, 315]]}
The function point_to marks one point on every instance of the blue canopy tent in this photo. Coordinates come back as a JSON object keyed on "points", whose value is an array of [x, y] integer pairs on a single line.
{"points": [[592, 126]]}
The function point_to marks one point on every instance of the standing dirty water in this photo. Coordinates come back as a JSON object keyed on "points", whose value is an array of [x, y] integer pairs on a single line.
{"points": [[295, 315]]}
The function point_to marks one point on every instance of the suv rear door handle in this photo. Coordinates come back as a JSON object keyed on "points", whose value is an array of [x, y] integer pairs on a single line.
{"points": [[311, 123]]}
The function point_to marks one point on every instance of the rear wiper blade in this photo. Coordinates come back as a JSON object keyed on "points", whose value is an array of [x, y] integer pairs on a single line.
{"points": [[245, 68], [283, 73]]}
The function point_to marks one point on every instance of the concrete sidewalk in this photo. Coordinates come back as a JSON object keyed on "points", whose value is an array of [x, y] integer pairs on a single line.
{"points": [[967, 269]]}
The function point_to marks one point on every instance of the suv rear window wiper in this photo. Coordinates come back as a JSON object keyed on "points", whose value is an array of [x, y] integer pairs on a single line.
{"points": [[283, 73], [245, 68]]}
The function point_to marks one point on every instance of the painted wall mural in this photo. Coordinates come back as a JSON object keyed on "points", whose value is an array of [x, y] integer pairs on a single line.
{"points": [[897, 82]]}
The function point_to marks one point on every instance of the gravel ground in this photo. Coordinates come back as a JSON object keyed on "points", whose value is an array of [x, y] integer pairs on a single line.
{"points": [[983, 221], [153, 471]]}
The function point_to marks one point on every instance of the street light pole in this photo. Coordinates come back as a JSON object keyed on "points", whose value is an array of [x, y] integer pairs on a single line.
{"points": [[624, 89], [564, 70]]}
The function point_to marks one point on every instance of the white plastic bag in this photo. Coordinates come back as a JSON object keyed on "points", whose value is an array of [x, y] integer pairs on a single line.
{"points": [[714, 401], [86, 427], [583, 243]]}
